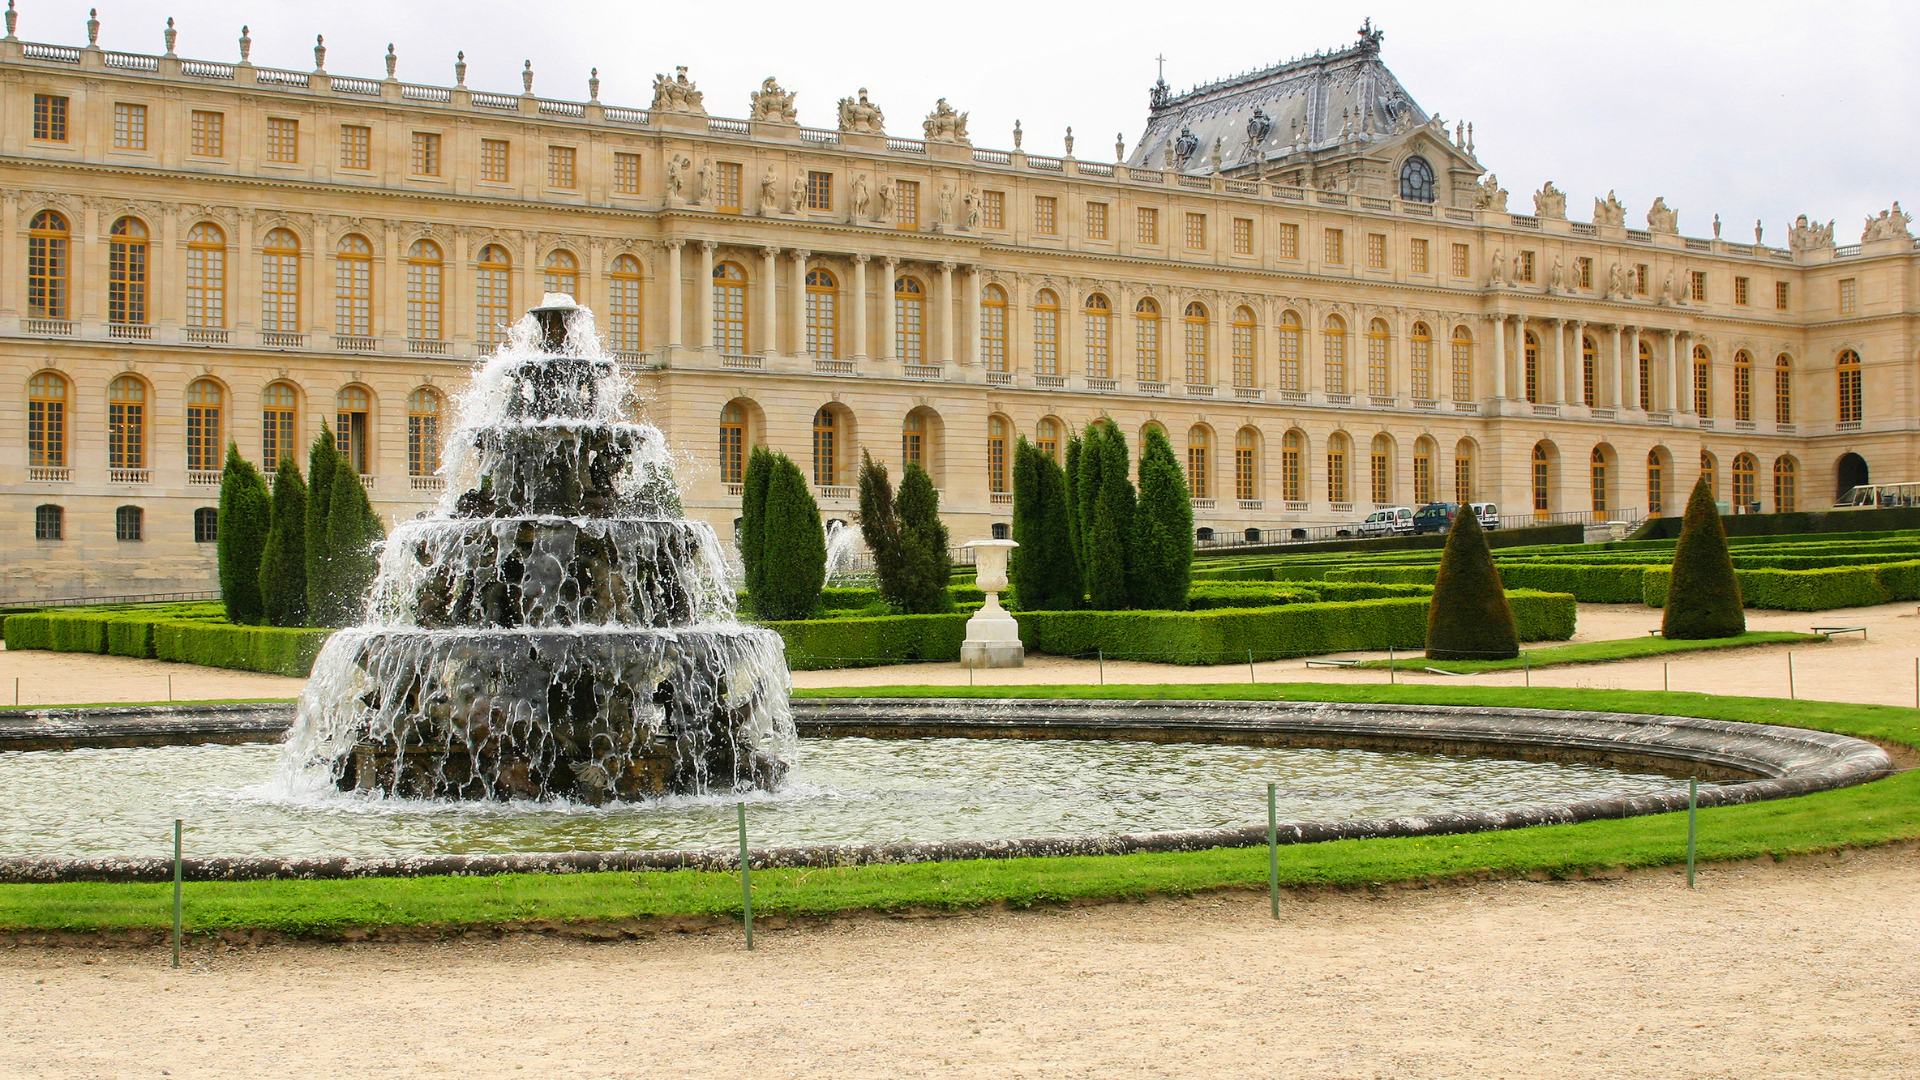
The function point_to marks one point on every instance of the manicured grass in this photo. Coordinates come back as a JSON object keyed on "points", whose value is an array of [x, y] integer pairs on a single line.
{"points": [[1596, 652], [1880, 812]]}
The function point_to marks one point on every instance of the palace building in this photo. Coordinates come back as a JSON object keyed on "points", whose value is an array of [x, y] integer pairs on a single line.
{"points": [[1308, 281]]}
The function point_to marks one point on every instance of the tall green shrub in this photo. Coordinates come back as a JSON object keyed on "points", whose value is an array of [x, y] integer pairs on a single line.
{"points": [[794, 547], [1086, 492], [1469, 618], [245, 516], [1072, 481], [1044, 569], [1109, 524], [880, 528], [352, 531], [1703, 595], [283, 565], [753, 517], [926, 568], [323, 458], [1162, 548]]}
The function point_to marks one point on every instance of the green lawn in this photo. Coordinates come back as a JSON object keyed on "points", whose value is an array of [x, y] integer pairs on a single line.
{"points": [[1595, 652], [1884, 811]]}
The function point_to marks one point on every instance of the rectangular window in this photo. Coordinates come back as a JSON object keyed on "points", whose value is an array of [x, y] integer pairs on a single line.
{"points": [[726, 195], [560, 162], [426, 154], [1242, 236], [1376, 251], [1779, 296], [1741, 292], [1289, 240], [1046, 215], [819, 191], [1462, 261], [207, 134], [493, 160], [993, 209], [1697, 286], [283, 140], [626, 174], [1197, 232], [1583, 272], [356, 147], [50, 117], [1640, 275], [1147, 222], [1849, 295], [49, 522], [1417, 256], [1523, 268], [1096, 221], [907, 212], [1336, 247], [129, 126]]}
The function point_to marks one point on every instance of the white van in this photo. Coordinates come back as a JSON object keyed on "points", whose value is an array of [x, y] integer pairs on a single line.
{"points": [[1392, 521], [1489, 514]]}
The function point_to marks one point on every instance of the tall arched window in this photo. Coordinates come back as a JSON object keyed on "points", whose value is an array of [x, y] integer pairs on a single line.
{"points": [[1462, 364], [826, 451], [1423, 454], [1463, 471], [353, 428], [1246, 465], [1783, 389], [1146, 320], [733, 444], [1336, 356], [1531, 346], [1656, 485], [563, 273], [490, 296], [47, 421], [1743, 386], [1288, 350], [913, 440], [353, 288], [1099, 337], [423, 292], [1589, 371], [1597, 477], [1849, 369], [1199, 347], [1542, 495], [47, 252], [730, 308], [910, 320], [1420, 362], [993, 328], [1710, 473], [1046, 333], [1785, 474], [280, 283], [423, 432], [1702, 381], [823, 315], [204, 400], [1646, 375], [1337, 468], [623, 304], [1245, 333], [1380, 469], [127, 272], [1379, 341], [1293, 449], [1199, 451], [277, 405], [1416, 180], [997, 455], [126, 424], [1046, 436], [1746, 469], [206, 276]]}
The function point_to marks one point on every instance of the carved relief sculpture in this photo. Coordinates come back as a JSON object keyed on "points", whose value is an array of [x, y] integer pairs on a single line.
{"points": [[1890, 225], [1557, 278], [797, 195], [1661, 218], [1186, 145], [1612, 212], [1616, 283], [677, 95], [1550, 202], [772, 105], [703, 186], [884, 210], [1492, 195], [945, 125], [1809, 237], [769, 193], [675, 182], [861, 117], [1499, 272], [944, 216], [858, 198], [971, 201]]}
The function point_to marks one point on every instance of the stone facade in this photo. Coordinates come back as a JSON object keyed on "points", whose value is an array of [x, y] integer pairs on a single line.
{"points": [[921, 292]]}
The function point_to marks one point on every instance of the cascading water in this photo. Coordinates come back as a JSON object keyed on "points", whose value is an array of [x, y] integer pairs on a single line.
{"points": [[555, 629]]}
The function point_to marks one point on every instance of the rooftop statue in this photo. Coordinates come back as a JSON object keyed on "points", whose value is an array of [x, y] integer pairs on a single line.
{"points": [[1661, 218], [862, 117], [772, 105], [1612, 212], [1186, 145], [1259, 125], [1890, 225], [1806, 236], [945, 125], [677, 95], [1492, 195], [1550, 202]]}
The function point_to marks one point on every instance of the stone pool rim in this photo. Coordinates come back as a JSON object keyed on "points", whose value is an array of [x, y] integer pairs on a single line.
{"points": [[1766, 762]]}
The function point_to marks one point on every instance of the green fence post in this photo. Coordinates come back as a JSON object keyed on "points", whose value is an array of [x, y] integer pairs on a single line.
{"points": [[176, 892], [746, 880], [1102, 655], [1273, 851], [1526, 661], [1693, 802], [1791, 695], [1251, 677]]}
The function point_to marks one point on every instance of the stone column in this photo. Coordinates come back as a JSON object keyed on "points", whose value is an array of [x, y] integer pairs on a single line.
{"points": [[703, 297], [1559, 361], [1576, 366], [769, 300], [797, 300], [1676, 400], [947, 352], [1615, 383], [889, 349], [1499, 357], [1313, 375], [1630, 370], [860, 306], [676, 290], [968, 351]]}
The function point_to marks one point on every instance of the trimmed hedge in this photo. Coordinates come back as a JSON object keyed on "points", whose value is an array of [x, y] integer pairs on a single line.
{"points": [[1796, 524], [1589, 584], [1530, 536], [817, 644], [1811, 590], [164, 635]]}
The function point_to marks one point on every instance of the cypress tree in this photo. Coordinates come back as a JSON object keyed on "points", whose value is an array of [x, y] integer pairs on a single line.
{"points": [[1086, 495], [880, 528], [323, 459], [283, 565], [245, 516], [1162, 552], [352, 531], [1703, 595], [1046, 573], [1071, 481], [753, 517], [1028, 510], [1109, 527], [926, 567], [1469, 618], [794, 550]]}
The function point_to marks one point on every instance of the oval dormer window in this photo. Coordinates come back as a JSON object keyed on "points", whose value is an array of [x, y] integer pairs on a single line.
{"points": [[1416, 180]]}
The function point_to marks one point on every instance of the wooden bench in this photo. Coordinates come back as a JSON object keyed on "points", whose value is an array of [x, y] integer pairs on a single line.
{"points": [[1832, 630], [1332, 663]]}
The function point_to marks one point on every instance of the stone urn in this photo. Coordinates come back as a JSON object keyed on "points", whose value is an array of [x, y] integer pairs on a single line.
{"points": [[993, 638]]}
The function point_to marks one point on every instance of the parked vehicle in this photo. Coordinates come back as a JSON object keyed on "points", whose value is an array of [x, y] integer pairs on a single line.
{"points": [[1390, 521], [1435, 517], [1489, 514]]}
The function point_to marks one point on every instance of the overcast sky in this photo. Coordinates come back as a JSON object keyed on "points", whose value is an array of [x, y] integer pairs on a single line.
{"points": [[1749, 109]]}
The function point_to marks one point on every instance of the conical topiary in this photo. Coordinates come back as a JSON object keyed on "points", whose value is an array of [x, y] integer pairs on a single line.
{"points": [[880, 528], [283, 565], [322, 460], [926, 566], [1703, 595], [1469, 618], [1162, 540], [245, 515], [352, 531], [794, 550]]}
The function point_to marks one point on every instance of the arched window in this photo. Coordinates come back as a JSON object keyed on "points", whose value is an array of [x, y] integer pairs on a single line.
{"points": [[1146, 319], [1245, 365], [1783, 389], [1199, 348], [47, 239], [280, 283], [1289, 351], [490, 299], [423, 432], [1542, 496], [997, 455], [1380, 469], [353, 288], [1589, 371], [623, 304], [423, 291], [1046, 436], [126, 425], [49, 522], [1656, 485], [47, 421], [277, 404], [913, 441], [1337, 468], [1597, 476], [1046, 333], [823, 315], [1293, 449], [204, 400], [1199, 476], [1462, 364], [993, 328], [1463, 471], [1099, 338], [1336, 356], [563, 273], [127, 272], [730, 308], [129, 523], [1416, 180], [1785, 472], [826, 456], [206, 276], [1379, 341], [1849, 369], [1531, 346], [206, 525], [910, 320], [1746, 469], [1246, 465], [1743, 386], [733, 444], [1420, 362], [1646, 375], [1702, 381], [1710, 472], [1423, 454], [353, 429]]}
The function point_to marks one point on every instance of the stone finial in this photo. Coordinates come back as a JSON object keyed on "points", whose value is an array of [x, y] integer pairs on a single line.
{"points": [[460, 68], [1759, 228], [170, 34], [1069, 140], [392, 60], [593, 85], [1017, 135], [13, 19], [526, 77], [93, 27], [319, 52], [246, 45], [1716, 226], [1119, 146]]}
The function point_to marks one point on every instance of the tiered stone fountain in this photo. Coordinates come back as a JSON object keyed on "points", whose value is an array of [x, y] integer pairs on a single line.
{"points": [[555, 629]]}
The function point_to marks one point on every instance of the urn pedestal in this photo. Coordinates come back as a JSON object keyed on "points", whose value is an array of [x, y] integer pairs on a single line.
{"points": [[993, 638]]}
